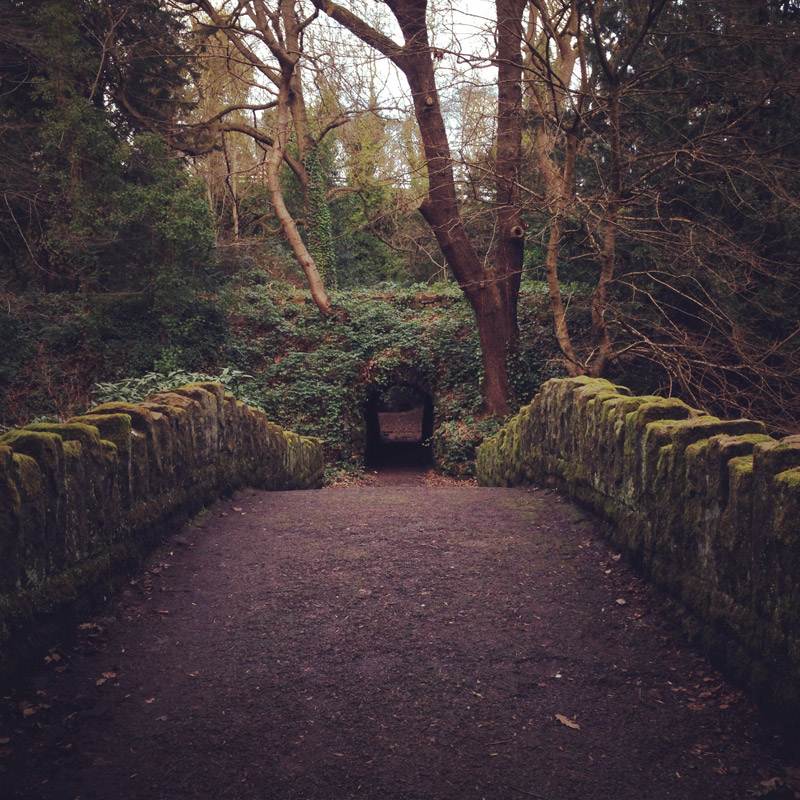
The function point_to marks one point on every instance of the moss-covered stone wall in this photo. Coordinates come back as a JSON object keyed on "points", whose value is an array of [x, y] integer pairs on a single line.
{"points": [[82, 502], [709, 509]]}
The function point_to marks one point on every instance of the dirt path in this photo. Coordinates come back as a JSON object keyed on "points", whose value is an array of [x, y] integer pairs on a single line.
{"points": [[387, 642]]}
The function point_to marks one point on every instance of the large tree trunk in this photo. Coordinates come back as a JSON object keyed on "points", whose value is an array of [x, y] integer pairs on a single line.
{"points": [[497, 331], [492, 292], [510, 250], [493, 303]]}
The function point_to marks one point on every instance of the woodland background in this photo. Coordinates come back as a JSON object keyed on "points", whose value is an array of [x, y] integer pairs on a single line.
{"points": [[495, 196]]}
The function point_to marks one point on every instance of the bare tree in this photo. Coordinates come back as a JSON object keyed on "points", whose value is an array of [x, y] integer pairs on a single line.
{"points": [[254, 29], [576, 75]]}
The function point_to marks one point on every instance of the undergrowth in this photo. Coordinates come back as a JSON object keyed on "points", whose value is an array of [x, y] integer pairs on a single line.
{"points": [[315, 374]]}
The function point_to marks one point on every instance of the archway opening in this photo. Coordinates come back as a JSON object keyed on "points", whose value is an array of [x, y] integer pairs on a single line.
{"points": [[399, 427]]}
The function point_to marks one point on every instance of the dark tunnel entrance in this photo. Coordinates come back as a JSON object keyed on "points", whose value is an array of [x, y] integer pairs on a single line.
{"points": [[399, 427]]}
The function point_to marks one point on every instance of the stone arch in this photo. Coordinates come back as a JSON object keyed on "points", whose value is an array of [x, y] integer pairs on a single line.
{"points": [[398, 423]]}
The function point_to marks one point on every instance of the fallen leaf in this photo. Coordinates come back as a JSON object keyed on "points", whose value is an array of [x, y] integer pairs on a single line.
{"points": [[5, 740], [568, 722], [236, 509], [109, 675], [151, 700], [621, 602], [29, 711]]}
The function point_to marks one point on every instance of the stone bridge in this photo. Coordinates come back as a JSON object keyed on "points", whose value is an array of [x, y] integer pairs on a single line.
{"points": [[82, 503], [708, 509]]}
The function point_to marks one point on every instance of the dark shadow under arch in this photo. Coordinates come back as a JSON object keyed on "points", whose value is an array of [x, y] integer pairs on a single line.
{"points": [[399, 427]]}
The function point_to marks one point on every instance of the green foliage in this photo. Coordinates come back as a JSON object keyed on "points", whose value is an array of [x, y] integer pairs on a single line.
{"points": [[455, 441], [132, 390], [69, 152], [57, 345], [315, 375], [320, 233], [105, 248]]}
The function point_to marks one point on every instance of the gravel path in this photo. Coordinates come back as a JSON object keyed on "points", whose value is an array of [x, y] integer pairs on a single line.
{"points": [[385, 642]]}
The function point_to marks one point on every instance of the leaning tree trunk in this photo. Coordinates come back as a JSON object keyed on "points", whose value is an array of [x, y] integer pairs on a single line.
{"points": [[319, 226], [288, 224]]}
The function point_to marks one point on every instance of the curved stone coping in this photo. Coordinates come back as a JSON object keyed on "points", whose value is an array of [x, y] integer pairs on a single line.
{"points": [[708, 508], [83, 501]]}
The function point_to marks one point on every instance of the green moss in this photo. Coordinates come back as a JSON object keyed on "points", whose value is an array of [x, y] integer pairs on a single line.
{"points": [[740, 468], [786, 514], [9, 494], [790, 481], [73, 449], [28, 475], [114, 428], [60, 489], [660, 409], [753, 439], [772, 457], [688, 431], [711, 508], [69, 431], [697, 450], [42, 446]]}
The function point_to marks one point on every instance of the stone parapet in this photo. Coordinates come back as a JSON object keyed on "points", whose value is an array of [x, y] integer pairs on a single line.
{"points": [[709, 509], [82, 502]]}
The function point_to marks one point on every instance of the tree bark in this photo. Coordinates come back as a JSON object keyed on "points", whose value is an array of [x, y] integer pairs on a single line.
{"points": [[571, 363], [602, 340], [491, 291], [510, 251], [288, 224]]}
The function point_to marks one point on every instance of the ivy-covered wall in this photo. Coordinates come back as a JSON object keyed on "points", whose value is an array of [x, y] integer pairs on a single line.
{"points": [[82, 502], [709, 509]]}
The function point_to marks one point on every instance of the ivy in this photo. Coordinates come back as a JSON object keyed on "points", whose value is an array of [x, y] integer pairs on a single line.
{"points": [[133, 390], [320, 229], [315, 375]]}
